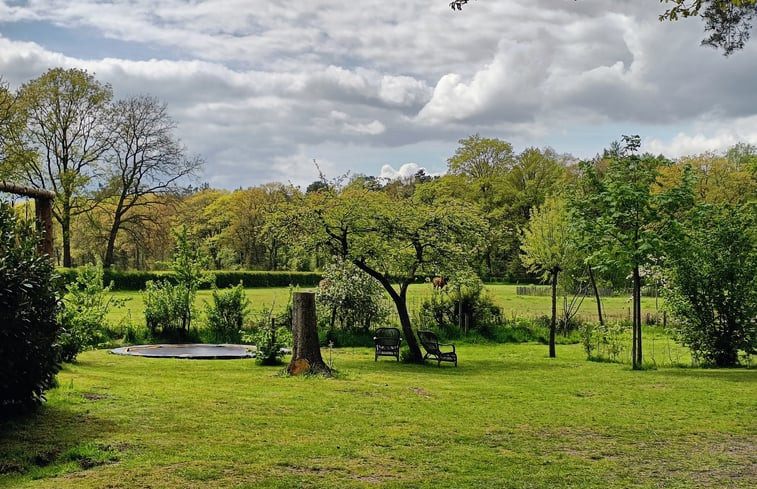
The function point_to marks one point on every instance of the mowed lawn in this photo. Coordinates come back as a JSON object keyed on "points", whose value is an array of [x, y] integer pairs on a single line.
{"points": [[504, 296], [508, 416]]}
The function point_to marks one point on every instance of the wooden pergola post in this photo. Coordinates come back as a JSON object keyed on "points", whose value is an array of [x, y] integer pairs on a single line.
{"points": [[43, 209]]}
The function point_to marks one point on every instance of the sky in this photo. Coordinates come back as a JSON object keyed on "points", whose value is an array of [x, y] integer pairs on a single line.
{"points": [[263, 90]]}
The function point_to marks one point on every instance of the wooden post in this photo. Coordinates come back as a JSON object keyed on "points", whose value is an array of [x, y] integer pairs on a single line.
{"points": [[306, 353], [43, 205], [44, 211]]}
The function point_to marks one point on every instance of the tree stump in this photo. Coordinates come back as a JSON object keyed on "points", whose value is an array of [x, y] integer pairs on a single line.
{"points": [[306, 353]]}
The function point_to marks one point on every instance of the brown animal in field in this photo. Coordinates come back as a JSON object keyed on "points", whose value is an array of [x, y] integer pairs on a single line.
{"points": [[438, 282]]}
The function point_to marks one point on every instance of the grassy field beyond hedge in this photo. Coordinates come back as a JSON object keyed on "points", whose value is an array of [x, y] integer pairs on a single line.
{"points": [[503, 295], [507, 417]]}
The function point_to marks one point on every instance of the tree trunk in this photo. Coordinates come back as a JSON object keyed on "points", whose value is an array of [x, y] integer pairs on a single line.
{"points": [[110, 249], [553, 323], [596, 295], [400, 303], [44, 213], [65, 225], [636, 337], [306, 353]]}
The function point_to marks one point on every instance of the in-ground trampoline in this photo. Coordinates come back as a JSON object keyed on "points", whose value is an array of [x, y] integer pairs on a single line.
{"points": [[196, 351]]}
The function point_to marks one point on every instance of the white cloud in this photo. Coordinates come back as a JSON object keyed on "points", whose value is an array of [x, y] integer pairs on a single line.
{"points": [[405, 171], [705, 138], [257, 86]]}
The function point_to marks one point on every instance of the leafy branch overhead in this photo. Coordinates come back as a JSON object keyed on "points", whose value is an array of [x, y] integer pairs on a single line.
{"points": [[727, 23]]}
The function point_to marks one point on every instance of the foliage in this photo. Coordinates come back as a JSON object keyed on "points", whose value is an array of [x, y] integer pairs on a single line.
{"points": [[65, 137], [728, 22], [83, 316], [603, 341], [617, 205], [480, 159], [349, 298], [28, 326], [137, 280], [712, 283], [391, 238], [226, 314], [461, 307], [164, 306], [269, 339], [171, 306], [145, 160], [547, 249]]}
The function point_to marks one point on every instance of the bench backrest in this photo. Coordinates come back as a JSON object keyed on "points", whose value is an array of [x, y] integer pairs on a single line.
{"points": [[430, 341], [387, 336]]}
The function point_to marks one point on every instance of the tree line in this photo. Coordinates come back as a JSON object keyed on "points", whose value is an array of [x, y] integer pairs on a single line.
{"points": [[109, 162], [121, 180]]}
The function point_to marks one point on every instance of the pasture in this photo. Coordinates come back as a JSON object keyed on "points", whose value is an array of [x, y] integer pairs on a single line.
{"points": [[508, 416], [505, 296]]}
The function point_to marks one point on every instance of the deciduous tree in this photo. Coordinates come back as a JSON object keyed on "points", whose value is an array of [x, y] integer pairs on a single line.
{"points": [[547, 248], [728, 22], [65, 114], [145, 160], [625, 217], [712, 283], [392, 239]]}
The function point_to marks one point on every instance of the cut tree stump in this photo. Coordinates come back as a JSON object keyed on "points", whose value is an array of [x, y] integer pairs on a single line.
{"points": [[306, 352]]}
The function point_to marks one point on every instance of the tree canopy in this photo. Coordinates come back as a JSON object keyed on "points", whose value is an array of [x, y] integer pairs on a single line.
{"points": [[728, 23]]}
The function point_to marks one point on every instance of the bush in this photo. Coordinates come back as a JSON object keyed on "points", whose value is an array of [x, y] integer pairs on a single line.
{"points": [[165, 307], [712, 284], [349, 299], [84, 312], [269, 339], [227, 313], [137, 280], [171, 306], [29, 356], [604, 342], [462, 306]]}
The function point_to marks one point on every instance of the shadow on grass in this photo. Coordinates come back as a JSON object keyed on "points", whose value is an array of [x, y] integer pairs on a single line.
{"points": [[52, 440], [741, 375]]}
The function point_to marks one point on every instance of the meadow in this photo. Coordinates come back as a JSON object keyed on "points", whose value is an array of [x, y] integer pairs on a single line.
{"points": [[511, 304], [508, 416]]}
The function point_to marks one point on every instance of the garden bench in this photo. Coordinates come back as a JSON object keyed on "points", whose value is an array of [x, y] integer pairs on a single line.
{"points": [[387, 341], [431, 344]]}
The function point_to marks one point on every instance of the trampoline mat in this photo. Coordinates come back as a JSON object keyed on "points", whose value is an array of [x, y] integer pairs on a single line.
{"points": [[194, 351]]}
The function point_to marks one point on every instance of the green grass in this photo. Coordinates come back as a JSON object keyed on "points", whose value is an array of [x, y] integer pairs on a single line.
{"points": [[506, 417], [503, 295]]}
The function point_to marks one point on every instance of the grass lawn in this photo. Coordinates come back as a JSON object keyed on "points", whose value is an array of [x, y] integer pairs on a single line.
{"points": [[508, 416], [503, 295]]}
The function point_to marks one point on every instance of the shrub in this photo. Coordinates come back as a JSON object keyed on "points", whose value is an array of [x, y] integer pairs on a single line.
{"points": [[28, 326], [137, 279], [604, 342], [171, 306], [461, 306], [227, 313], [712, 284], [349, 299], [164, 307], [84, 312], [269, 339]]}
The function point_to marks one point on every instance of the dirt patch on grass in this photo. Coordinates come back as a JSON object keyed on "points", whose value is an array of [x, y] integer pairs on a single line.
{"points": [[95, 396], [420, 392]]}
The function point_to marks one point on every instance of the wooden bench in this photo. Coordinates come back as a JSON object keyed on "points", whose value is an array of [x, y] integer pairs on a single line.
{"points": [[431, 344], [387, 341]]}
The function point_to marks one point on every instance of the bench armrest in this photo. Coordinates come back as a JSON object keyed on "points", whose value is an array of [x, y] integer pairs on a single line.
{"points": [[448, 344]]}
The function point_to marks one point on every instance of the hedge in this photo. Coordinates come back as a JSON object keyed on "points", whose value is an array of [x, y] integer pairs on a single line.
{"points": [[135, 279]]}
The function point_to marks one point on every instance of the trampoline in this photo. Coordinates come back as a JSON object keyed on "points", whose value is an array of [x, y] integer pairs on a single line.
{"points": [[197, 351]]}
